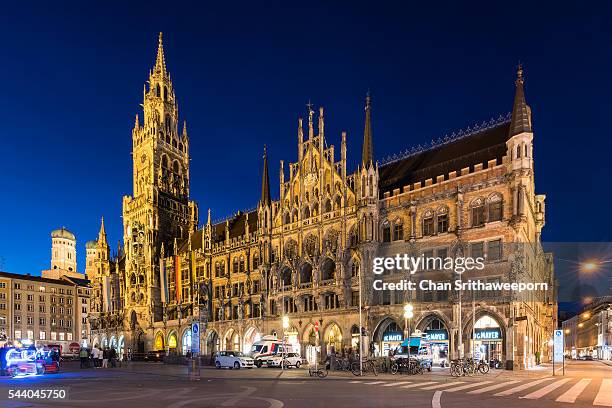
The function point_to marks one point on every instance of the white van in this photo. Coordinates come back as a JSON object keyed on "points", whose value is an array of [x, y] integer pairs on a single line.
{"points": [[266, 347]]}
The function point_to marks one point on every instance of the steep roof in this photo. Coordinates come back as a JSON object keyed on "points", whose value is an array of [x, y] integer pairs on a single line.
{"points": [[476, 148]]}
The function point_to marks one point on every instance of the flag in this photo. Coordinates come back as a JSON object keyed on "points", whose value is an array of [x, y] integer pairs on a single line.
{"points": [[106, 294], [177, 274], [163, 281]]}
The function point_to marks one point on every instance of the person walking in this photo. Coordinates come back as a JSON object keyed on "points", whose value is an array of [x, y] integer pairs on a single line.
{"points": [[100, 357], [94, 357], [113, 357], [83, 357], [105, 358]]}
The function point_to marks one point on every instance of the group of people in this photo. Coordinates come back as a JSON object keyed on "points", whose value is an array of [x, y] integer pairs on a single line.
{"points": [[98, 358]]}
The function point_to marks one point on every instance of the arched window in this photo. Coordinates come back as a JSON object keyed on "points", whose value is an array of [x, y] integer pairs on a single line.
{"points": [[157, 90], [186, 342], [478, 212], [287, 218], [235, 265], [295, 215], [398, 230], [327, 207], [355, 269], [495, 207], [306, 213], [164, 161], [442, 219], [386, 232], [328, 270], [306, 274], [166, 93], [338, 202], [175, 167], [242, 266], [371, 186], [428, 223], [255, 261], [286, 277]]}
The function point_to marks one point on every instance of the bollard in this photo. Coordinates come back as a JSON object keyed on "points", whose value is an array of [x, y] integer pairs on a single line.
{"points": [[193, 369]]}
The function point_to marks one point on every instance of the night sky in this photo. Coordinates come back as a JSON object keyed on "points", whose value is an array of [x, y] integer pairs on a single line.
{"points": [[72, 82]]}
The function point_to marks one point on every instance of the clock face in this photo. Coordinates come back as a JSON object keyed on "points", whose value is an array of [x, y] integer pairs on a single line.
{"points": [[143, 158]]}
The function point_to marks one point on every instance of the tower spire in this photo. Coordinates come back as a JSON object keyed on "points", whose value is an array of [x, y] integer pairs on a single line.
{"points": [[160, 61], [265, 181], [521, 114], [367, 152], [102, 233]]}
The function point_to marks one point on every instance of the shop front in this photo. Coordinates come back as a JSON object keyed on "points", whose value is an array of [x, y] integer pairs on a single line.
{"points": [[487, 339], [437, 339], [390, 341]]}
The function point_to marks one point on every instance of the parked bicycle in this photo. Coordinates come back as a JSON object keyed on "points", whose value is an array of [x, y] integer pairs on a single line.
{"points": [[402, 365], [343, 365], [462, 367], [320, 371], [369, 366]]}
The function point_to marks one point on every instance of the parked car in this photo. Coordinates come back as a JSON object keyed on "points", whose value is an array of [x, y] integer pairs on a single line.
{"points": [[588, 358], [155, 355], [232, 359], [290, 360]]}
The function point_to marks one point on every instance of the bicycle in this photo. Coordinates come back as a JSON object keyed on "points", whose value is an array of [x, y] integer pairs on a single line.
{"points": [[318, 372], [343, 365], [482, 367], [368, 366]]}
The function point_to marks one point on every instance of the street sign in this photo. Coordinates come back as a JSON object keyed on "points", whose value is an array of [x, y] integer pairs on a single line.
{"points": [[195, 338], [558, 346]]}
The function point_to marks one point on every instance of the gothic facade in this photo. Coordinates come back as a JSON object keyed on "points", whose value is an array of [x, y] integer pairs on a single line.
{"points": [[308, 255]]}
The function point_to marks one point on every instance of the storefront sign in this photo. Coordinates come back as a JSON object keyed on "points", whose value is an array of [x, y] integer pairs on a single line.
{"points": [[437, 335], [393, 336], [488, 334]]}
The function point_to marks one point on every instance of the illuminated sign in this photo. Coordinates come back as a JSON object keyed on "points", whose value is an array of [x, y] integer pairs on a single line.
{"points": [[393, 336], [488, 334], [437, 335]]}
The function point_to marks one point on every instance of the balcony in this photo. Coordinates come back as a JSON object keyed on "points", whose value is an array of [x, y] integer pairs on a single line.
{"points": [[328, 282]]}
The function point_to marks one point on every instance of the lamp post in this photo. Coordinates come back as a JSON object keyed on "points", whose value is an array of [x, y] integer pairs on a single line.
{"points": [[285, 327], [408, 314]]}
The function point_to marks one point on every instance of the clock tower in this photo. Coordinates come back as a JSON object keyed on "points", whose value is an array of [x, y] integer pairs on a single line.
{"points": [[159, 211]]}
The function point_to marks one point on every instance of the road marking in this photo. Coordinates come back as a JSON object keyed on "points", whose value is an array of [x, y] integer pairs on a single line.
{"points": [[374, 382], [435, 401], [573, 393], [450, 384], [604, 396], [418, 384], [521, 387], [543, 391], [493, 387], [466, 386], [355, 382], [396, 384]]}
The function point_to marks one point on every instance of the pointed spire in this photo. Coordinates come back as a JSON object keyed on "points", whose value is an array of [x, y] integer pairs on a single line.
{"points": [[265, 181], [521, 115], [310, 125], [367, 152], [208, 221], [102, 233], [136, 123], [184, 128], [160, 62]]}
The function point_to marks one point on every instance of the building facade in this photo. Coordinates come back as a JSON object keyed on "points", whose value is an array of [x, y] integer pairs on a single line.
{"points": [[39, 311], [308, 255], [589, 333]]}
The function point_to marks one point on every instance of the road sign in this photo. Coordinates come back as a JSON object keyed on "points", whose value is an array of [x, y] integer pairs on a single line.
{"points": [[558, 346], [195, 338]]}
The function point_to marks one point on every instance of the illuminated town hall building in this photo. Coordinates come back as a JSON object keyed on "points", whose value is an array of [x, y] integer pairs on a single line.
{"points": [[303, 255]]}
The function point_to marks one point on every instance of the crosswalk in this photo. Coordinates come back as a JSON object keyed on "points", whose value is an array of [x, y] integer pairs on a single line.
{"points": [[564, 390]]}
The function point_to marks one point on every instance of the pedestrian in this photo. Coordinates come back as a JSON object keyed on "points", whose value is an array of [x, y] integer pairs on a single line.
{"points": [[113, 357], [100, 357], [105, 358], [83, 357], [94, 357]]}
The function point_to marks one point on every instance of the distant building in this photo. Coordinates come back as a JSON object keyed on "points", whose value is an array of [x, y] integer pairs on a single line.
{"points": [[590, 331]]}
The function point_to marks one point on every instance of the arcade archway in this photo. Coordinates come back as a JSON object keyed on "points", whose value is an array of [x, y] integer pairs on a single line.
{"points": [[436, 332], [251, 335]]}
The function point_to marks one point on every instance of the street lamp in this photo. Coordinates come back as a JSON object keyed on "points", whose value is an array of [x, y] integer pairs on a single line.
{"points": [[285, 327], [408, 314]]}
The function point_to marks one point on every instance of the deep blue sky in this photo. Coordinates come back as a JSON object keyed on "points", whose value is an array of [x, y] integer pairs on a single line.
{"points": [[72, 82]]}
